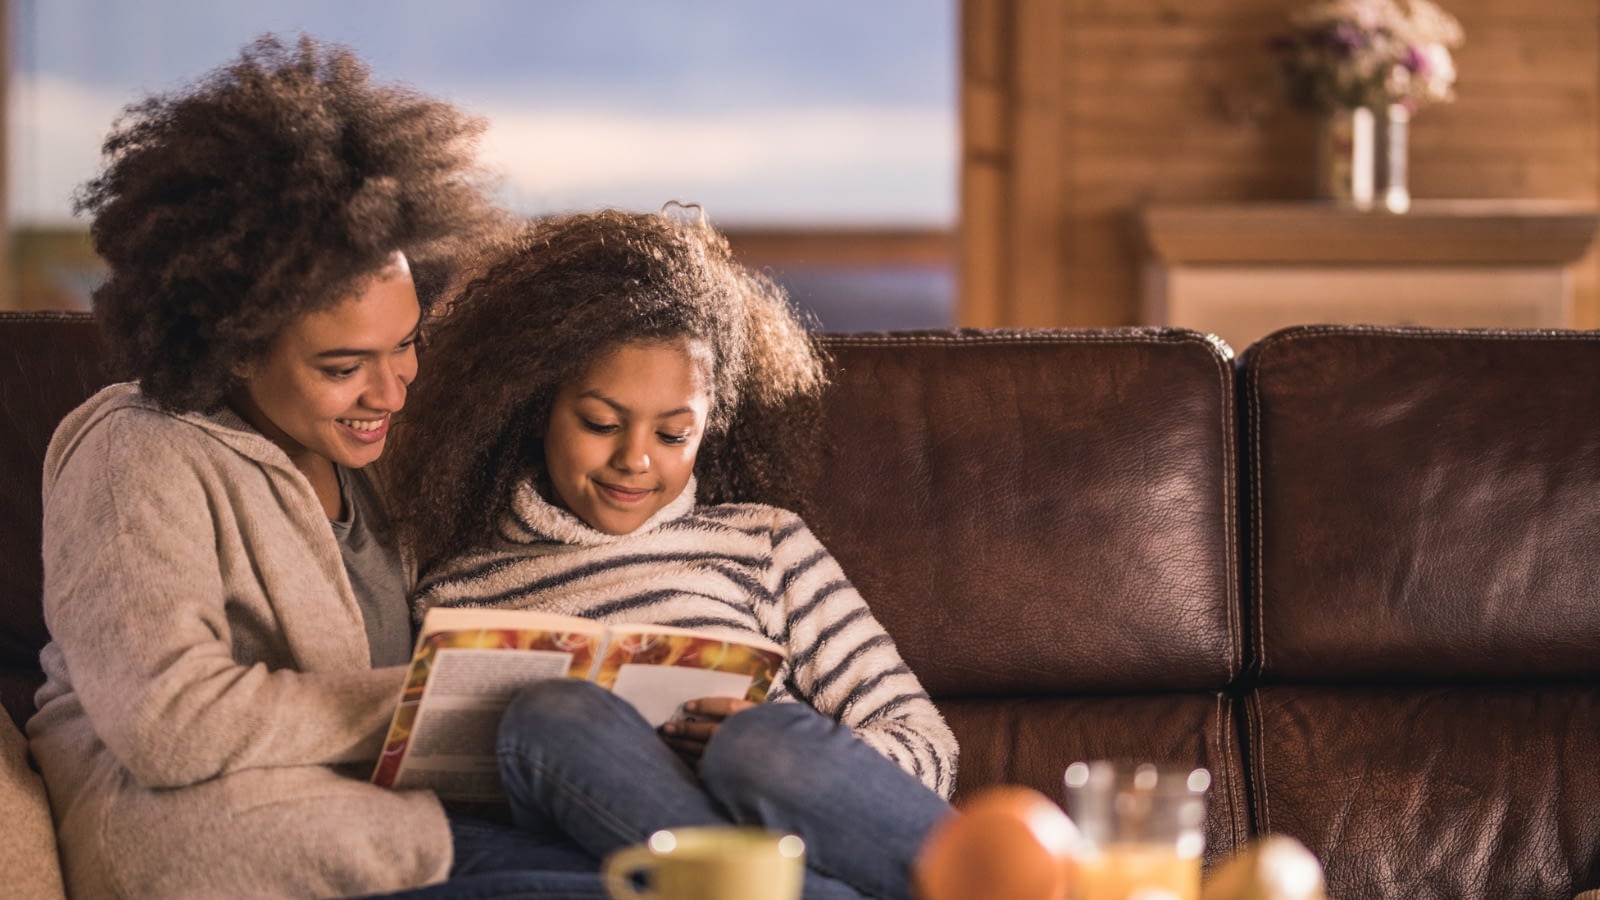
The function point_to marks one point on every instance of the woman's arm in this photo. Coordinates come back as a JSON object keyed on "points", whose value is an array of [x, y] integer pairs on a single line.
{"points": [[136, 604]]}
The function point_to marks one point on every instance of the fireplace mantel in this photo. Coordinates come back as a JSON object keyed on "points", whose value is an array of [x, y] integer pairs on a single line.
{"points": [[1243, 270]]}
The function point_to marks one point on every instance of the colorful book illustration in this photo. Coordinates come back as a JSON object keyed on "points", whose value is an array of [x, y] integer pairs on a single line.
{"points": [[469, 662]]}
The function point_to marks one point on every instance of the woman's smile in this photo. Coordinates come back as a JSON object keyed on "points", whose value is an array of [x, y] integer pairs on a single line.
{"points": [[367, 431]]}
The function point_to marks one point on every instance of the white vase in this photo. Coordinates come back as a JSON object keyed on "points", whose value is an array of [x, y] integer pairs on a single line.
{"points": [[1346, 161], [1393, 132]]}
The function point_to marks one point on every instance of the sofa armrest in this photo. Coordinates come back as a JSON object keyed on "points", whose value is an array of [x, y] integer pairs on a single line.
{"points": [[28, 853]]}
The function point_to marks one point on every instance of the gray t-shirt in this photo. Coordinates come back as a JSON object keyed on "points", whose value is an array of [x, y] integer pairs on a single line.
{"points": [[376, 572]]}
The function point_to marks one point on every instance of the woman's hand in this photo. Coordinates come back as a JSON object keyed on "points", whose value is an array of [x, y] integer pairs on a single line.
{"points": [[689, 733]]}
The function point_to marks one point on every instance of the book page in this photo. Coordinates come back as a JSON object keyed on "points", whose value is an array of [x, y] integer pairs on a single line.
{"points": [[658, 668], [659, 692], [443, 732]]}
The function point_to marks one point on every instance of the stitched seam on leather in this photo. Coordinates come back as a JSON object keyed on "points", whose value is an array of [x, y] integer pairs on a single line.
{"points": [[1428, 334], [1230, 498], [1258, 763], [1257, 501], [1224, 713], [33, 316], [1042, 337]]}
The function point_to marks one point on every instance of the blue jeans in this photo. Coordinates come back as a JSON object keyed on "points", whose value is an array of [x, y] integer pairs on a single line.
{"points": [[586, 775], [509, 884], [577, 760], [495, 861]]}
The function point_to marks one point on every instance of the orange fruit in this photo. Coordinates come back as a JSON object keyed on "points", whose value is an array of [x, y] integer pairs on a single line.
{"points": [[1006, 842]]}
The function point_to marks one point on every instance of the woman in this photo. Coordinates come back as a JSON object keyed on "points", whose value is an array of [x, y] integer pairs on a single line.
{"points": [[226, 610]]}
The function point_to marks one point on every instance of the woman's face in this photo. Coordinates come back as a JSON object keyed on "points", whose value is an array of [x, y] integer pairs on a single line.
{"points": [[330, 381], [623, 437]]}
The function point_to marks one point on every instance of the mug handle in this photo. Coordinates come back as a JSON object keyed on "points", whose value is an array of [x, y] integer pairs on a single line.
{"points": [[621, 866]]}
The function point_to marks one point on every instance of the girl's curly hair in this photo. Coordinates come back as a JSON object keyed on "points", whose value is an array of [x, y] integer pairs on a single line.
{"points": [[543, 307], [271, 188]]}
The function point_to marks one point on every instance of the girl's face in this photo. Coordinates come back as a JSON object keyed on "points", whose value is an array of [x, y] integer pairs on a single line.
{"points": [[330, 381], [623, 436]]}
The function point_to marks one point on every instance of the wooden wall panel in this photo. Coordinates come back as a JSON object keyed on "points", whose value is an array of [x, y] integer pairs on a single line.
{"points": [[1040, 159], [8, 289], [1091, 108], [986, 97]]}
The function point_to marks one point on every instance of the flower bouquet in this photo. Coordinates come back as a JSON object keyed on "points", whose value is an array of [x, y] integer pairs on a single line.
{"points": [[1351, 54], [1362, 65]]}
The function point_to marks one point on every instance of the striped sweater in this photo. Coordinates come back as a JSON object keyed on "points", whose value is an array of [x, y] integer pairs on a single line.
{"points": [[743, 566]]}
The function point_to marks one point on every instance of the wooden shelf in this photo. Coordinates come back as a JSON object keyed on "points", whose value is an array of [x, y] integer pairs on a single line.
{"points": [[1434, 231], [1241, 271]]}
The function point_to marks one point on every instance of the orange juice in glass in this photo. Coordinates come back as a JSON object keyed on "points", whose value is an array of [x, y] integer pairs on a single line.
{"points": [[1142, 828]]}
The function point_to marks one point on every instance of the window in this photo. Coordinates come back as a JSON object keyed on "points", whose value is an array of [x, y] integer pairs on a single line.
{"points": [[823, 137]]}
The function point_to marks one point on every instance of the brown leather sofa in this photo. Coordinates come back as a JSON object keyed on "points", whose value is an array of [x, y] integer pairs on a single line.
{"points": [[1355, 573]]}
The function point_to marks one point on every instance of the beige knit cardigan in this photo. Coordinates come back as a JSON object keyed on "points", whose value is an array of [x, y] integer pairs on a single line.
{"points": [[210, 712]]}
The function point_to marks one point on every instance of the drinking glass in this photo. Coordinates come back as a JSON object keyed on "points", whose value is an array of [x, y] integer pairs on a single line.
{"points": [[1142, 828]]}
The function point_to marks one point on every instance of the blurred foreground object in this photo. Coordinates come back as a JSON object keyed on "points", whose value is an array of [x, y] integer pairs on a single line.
{"points": [[1275, 867], [1141, 828], [1006, 843]]}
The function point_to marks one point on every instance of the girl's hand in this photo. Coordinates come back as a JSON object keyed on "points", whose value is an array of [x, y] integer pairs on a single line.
{"points": [[688, 734]]}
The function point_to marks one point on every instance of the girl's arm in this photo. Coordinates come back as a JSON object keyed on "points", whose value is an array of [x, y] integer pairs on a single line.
{"points": [[846, 666]]}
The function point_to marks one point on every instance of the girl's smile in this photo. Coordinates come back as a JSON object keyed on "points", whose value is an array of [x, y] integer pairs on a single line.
{"points": [[623, 494]]}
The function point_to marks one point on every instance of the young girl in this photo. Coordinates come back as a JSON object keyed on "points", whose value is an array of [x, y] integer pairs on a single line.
{"points": [[616, 403]]}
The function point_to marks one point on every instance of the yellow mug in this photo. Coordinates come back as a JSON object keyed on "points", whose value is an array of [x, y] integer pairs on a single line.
{"points": [[709, 863]]}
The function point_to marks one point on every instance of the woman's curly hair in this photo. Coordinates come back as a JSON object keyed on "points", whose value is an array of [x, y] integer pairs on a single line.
{"points": [[271, 188], [541, 309]]}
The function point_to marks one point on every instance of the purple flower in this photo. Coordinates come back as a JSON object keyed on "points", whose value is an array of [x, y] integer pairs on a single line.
{"points": [[1347, 38], [1415, 60]]}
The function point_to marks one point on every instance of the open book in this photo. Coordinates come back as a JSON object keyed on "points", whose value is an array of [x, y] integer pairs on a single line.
{"points": [[469, 662]]}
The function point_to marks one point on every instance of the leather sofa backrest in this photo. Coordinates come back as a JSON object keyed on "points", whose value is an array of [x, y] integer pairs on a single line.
{"points": [[49, 363], [1424, 590], [1427, 505], [1052, 526], [1045, 522]]}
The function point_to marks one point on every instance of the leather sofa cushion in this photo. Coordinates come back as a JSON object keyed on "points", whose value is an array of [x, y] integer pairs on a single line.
{"points": [[1459, 792], [1032, 741], [1039, 513], [1426, 504]]}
